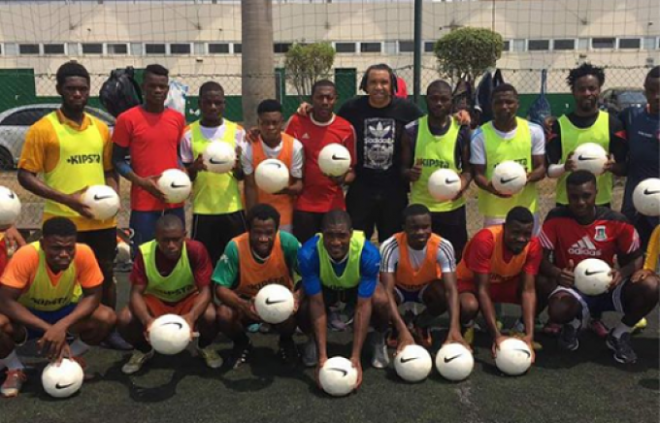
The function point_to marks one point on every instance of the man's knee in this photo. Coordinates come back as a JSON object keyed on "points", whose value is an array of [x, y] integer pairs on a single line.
{"points": [[563, 307]]}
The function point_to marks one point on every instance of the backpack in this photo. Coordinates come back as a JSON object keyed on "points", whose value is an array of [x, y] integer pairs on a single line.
{"points": [[120, 92]]}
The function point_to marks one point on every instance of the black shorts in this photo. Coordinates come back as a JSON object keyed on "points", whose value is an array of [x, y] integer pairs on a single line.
{"points": [[371, 206], [333, 296], [306, 224], [216, 230], [104, 244], [452, 226]]}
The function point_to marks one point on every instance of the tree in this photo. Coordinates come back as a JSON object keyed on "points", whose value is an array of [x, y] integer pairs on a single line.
{"points": [[307, 63], [468, 52]]}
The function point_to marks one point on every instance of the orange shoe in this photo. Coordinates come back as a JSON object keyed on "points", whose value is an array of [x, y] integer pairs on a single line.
{"points": [[13, 384]]}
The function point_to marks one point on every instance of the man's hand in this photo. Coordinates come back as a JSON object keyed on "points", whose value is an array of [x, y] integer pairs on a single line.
{"points": [[357, 366], [248, 310], [319, 366], [150, 184], [147, 328], [238, 167], [455, 337], [75, 203], [567, 277], [496, 344], [464, 186], [640, 275], [609, 164], [13, 238], [570, 165], [52, 342], [198, 165], [463, 117], [305, 109], [495, 192], [529, 340], [190, 319], [415, 172], [252, 135], [616, 279], [404, 339]]}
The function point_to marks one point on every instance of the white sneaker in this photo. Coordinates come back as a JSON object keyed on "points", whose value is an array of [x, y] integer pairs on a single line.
{"points": [[210, 356], [310, 355], [137, 360], [381, 358]]}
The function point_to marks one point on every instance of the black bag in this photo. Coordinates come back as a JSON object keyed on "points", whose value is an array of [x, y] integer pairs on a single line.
{"points": [[120, 92]]}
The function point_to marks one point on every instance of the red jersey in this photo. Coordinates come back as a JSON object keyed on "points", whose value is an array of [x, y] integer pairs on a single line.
{"points": [[153, 143], [4, 258], [320, 194], [608, 235]]}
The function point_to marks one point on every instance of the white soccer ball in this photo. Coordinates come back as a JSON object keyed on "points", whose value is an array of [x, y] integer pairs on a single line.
{"points": [[175, 184], [334, 160], [64, 380], [454, 362], [413, 363], [592, 276], [169, 334], [646, 197], [10, 206], [272, 176], [591, 157], [513, 357], [274, 303], [338, 377], [509, 177], [444, 184], [219, 157], [103, 201]]}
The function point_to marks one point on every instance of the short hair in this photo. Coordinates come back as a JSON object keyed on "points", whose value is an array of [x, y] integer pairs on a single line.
{"points": [[580, 177], [505, 88], [336, 217], [439, 84], [210, 86], [415, 210], [156, 69], [58, 226], [169, 221], [323, 83], [268, 106], [71, 69], [654, 73], [584, 70], [379, 66], [263, 212], [519, 214]]}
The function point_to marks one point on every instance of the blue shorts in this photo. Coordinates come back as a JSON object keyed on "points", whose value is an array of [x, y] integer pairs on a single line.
{"points": [[50, 317], [405, 296], [143, 223], [597, 304]]}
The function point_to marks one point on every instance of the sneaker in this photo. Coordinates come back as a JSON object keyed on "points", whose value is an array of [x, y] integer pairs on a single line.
{"points": [[13, 383], [288, 352], [623, 352], [599, 328], [116, 342], [640, 326], [254, 327], [310, 355], [334, 321], [137, 360], [392, 339], [381, 358], [568, 338], [240, 354], [210, 357], [468, 334], [423, 336]]}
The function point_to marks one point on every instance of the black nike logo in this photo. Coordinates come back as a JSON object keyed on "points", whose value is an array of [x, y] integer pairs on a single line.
{"points": [[450, 359], [452, 181], [275, 164], [173, 323], [405, 360], [335, 157], [506, 181], [581, 157], [646, 192], [271, 302], [342, 371], [173, 185], [527, 353], [58, 386], [103, 197], [212, 161], [593, 272], [12, 195]]}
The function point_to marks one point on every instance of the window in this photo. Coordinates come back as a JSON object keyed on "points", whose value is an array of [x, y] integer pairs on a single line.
{"points": [[630, 43], [429, 46], [24, 49], [154, 48], [649, 43], [370, 47], [345, 47], [92, 48], [538, 45], [583, 44], [506, 46], [11, 49], [563, 45], [238, 48], [281, 47], [137, 49], [117, 48], [53, 48], [25, 117], [180, 49], [199, 48], [217, 48], [518, 45], [390, 47], [406, 46], [603, 43]]}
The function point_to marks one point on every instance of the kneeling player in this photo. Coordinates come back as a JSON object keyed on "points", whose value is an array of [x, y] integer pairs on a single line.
{"points": [[419, 266], [500, 265], [582, 230], [171, 275], [262, 256], [51, 288]]}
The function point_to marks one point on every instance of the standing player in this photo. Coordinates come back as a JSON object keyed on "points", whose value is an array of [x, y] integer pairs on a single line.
{"points": [[171, 275], [150, 135], [320, 193], [438, 141], [217, 205], [507, 137], [262, 256], [50, 288], [582, 230], [419, 266], [273, 144]]}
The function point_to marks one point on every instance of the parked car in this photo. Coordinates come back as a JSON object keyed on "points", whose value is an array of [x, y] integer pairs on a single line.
{"points": [[14, 124], [614, 100]]}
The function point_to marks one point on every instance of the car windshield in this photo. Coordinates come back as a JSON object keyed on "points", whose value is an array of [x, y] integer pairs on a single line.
{"points": [[632, 97]]}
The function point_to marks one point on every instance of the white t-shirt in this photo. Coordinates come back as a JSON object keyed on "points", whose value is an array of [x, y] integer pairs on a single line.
{"points": [[389, 252], [296, 162], [478, 149], [216, 133]]}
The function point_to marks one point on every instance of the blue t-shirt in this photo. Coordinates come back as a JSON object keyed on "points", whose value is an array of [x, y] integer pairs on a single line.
{"points": [[310, 268]]}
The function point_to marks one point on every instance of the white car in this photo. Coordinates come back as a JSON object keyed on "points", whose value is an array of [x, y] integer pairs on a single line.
{"points": [[14, 124]]}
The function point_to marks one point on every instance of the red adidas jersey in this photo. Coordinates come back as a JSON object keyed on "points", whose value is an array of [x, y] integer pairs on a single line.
{"points": [[320, 194], [610, 234]]}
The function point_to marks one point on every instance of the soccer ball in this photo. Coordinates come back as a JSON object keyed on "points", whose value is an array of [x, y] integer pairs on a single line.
{"points": [[272, 176], [175, 184], [169, 334], [413, 363], [592, 276], [334, 160], [103, 201], [10, 206], [454, 362], [444, 184], [513, 357], [219, 157], [509, 177], [64, 380], [338, 376], [274, 303], [591, 157], [646, 197]]}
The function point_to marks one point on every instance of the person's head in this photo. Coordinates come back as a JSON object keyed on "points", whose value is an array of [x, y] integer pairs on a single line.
{"points": [[518, 228], [652, 90], [585, 82], [417, 225], [263, 222], [337, 229], [73, 86], [155, 84], [379, 82], [58, 241], [439, 99], [504, 103], [170, 236], [211, 102], [270, 120], [324, 97], [581, 190]]}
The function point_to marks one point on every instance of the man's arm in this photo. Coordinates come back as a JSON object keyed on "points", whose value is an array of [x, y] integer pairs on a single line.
{"points": [[528, 303], [405, 337], [466, 172], [483, 182], [16, 311], [139, 307], [618, 148], [410, 171], [482, 281], [32, 183], [250, 191], [320, 325], [149, 184], [538, 169], [451, 294], [229, 298]]}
